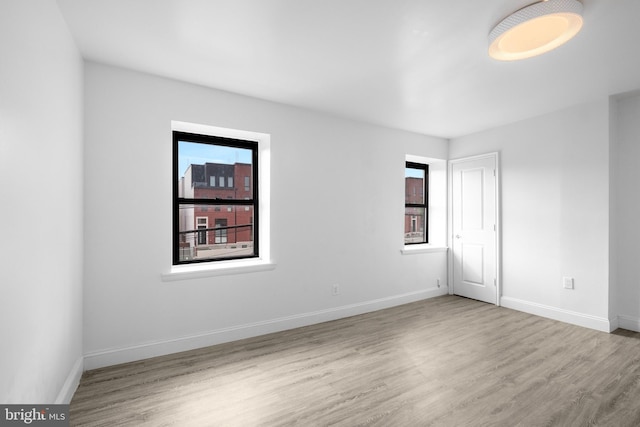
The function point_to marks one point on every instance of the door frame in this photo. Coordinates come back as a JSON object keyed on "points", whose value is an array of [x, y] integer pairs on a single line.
{"points": [[498, 235]]}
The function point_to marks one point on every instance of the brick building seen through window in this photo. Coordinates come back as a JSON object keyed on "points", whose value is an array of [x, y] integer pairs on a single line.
{"points": [[234, 223], [416, 203]]}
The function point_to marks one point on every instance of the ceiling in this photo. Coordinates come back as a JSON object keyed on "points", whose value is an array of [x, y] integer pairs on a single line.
{"points": [[417, 65]]}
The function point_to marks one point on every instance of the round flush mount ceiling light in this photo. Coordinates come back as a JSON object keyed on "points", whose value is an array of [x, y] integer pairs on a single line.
{"points": [[535, 29]]}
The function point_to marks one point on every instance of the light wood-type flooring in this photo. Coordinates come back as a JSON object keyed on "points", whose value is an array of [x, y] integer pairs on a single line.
{"points": [[446, 361]]}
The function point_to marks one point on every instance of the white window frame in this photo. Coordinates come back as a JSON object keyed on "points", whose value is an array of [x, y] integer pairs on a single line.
{"points": [[218, 268], [437, 205]]}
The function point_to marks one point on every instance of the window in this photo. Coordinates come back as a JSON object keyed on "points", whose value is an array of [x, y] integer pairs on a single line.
{"points": [[416, 197], [221, 230], [230, 229]]}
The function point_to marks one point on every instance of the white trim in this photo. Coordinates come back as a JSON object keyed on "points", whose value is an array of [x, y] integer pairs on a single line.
{"points": [[585, 320], [422, 249], [113, 356], [420, 159], [628, 322], [496, 156], [219, 268], [206, 225], [71, 383], [437, 208], [217, 131], [614, 324]]}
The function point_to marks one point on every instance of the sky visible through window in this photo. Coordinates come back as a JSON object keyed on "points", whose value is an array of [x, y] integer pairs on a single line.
{"points": [[413, 173], [191, 153]]}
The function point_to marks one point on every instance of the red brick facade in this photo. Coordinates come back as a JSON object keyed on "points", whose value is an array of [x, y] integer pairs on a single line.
{"points": [[218, 181], [414, 220]]}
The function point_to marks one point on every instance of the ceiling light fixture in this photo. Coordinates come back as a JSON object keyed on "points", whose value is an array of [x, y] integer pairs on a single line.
{"points": [[535, 29]]}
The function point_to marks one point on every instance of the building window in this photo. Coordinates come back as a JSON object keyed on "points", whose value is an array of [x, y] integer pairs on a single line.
{"points": [[230, 229], [416, 198], [221, 230]]}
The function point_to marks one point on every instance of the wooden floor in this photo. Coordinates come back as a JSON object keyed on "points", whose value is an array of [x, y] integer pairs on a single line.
{"points": [[446, 361]]}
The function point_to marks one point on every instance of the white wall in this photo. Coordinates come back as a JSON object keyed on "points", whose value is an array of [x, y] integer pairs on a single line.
{"points": [[555, 211], [626, 238], [337, 217], [41, 215]]}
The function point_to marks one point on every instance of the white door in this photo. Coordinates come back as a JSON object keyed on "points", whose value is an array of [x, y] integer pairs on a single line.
{"points": [[474, 227]]}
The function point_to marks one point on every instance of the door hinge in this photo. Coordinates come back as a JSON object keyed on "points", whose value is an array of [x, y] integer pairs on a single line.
{"points": [[494, 172], [495, 282]]}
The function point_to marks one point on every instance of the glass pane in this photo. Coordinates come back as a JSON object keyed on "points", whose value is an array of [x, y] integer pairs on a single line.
{"points": [[413, 185], [414, 223], [207, 171], [208, 234]]}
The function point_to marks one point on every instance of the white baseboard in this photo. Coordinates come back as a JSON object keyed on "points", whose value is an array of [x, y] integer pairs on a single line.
{"points": [[614, 323], [114, 356], [629, 322], [71, 383], [567, 316]]}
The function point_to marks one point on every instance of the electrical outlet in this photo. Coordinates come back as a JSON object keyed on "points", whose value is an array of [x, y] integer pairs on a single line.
{"points": [[567, 282], [335, 290]]}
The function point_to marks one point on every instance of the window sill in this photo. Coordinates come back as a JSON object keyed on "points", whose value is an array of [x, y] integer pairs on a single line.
{"points": [[222, 268], [422, 249]]}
